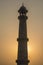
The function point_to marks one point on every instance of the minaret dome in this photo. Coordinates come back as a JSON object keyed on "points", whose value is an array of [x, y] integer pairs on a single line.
{"points": [[22, 10]]}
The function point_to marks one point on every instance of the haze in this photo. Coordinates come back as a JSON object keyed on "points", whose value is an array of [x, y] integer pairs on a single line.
{"points": [[9, 27]]}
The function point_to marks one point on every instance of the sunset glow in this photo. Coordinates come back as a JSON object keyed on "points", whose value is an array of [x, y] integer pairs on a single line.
{"points": [[9, 27]]}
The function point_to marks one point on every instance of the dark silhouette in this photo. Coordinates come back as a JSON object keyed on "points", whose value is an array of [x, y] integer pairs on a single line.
{"points": [[22, 58]]}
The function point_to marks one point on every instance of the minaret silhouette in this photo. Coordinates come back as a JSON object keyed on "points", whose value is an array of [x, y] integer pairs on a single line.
{"points": [[22, 58]]}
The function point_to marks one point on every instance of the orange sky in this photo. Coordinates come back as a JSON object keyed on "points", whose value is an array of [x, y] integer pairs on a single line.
{"points": [[9, 25]]}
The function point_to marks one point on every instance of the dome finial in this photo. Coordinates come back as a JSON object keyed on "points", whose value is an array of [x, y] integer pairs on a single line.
{"points": [[22, 4]]}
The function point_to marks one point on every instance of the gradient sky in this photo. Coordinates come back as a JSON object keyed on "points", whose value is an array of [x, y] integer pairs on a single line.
{"points": [[9, 25]]}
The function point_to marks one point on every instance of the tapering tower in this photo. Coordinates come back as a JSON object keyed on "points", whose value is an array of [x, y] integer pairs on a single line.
{"points": [[22, 39]]}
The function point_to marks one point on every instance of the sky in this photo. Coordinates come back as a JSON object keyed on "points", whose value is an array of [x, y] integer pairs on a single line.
{"points": [[9, 26]]}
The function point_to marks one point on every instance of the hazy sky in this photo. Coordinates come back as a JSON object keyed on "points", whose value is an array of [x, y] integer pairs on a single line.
{"points": [[9, 25]]}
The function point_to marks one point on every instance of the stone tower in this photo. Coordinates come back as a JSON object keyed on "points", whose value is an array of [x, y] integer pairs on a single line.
{"points": [[22, 39]]}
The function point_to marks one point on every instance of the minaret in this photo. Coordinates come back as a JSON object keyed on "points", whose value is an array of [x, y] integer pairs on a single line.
{"points": [[22, 39]]}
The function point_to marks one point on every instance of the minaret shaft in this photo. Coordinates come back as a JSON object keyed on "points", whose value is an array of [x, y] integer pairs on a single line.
{"points": [[22, 51], [22, 28], [22, 43]]}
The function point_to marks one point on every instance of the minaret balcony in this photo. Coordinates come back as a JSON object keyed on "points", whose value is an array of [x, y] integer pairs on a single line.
{"points": [[24, 17]]}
